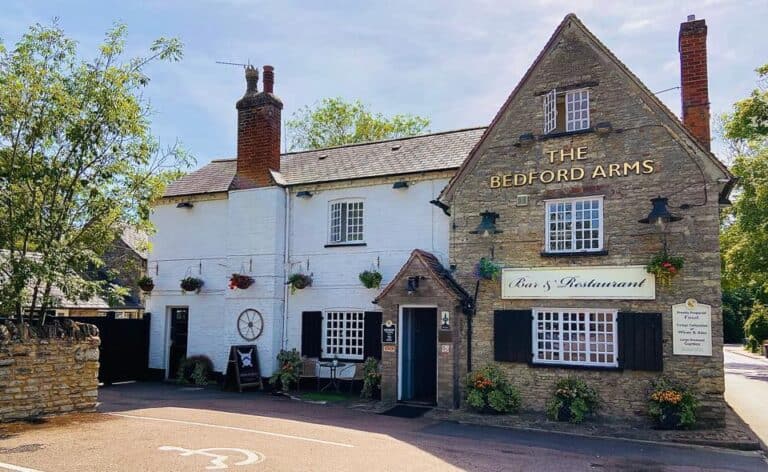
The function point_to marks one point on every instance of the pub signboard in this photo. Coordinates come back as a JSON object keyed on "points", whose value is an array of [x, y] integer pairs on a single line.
{"points": [[591, 282], [692, 329], [389, 333]]}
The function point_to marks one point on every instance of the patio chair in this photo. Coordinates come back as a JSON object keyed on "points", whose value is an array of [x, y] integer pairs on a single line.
{"points": [[309, 366], [359, 376]]}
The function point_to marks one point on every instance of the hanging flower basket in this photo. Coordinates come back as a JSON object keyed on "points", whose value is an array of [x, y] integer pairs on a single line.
{"points": [[665, 268], [370, 278], [487, 270], [146, 284], [299, 282], [191, 284], [240, 281]]}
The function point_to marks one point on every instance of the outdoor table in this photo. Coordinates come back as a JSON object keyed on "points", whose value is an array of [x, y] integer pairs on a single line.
{"points": [[333, 367]]}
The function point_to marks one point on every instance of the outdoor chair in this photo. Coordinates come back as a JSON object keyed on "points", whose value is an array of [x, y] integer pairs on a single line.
{"points": [[359, 376], [309, 366]]}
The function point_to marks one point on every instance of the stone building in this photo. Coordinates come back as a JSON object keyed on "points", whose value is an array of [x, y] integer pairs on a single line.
{"points": [[552, 192]]}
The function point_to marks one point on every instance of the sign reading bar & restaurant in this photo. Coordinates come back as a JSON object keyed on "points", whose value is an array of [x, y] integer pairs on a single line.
{"points": [[692, 329], [595, 282]]}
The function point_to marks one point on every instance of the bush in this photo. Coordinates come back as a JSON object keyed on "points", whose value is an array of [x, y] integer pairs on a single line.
{"points": [[287, 373], [489, 391], [371, 378], [195, 370], [573, 401], [737, 306], [753, 345], [756, 325], [672, 406]]}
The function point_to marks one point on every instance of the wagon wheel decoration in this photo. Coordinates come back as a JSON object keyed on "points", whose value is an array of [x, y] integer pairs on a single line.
{"points": [[250, 324]]}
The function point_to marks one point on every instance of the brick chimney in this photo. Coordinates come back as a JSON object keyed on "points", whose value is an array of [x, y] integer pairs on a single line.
{"points": [[694, 84], [258, 131]]}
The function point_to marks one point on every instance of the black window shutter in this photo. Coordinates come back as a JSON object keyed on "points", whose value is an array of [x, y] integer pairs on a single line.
{"points": [[372, 340], [640, 341], [311, 333], [512, 335]]}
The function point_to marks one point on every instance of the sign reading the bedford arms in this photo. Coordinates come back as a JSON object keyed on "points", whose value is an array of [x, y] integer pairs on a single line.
{"points": [[592, 282], [576, 171]]}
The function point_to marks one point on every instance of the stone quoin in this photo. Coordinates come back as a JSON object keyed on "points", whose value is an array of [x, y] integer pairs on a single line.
{"points": [[553, 191]]}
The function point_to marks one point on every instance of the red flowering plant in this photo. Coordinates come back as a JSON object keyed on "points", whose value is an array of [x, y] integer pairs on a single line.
{"points": [[665, 267], [489, 391], [240, 281]]}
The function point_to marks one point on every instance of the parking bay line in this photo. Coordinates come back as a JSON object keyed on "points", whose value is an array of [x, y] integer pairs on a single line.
{"points": [[16, 468], [232, 428]]}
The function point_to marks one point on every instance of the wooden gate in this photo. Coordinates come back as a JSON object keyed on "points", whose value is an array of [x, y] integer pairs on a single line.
{"points": [[124, 349]]}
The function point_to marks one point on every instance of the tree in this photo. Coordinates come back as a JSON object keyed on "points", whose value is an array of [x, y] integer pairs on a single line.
{"points": [[78, 161], [744, 237], [335, 122]]}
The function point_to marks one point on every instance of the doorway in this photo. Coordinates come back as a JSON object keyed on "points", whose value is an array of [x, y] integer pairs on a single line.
{"points": [[418, 351], [178, 345]]}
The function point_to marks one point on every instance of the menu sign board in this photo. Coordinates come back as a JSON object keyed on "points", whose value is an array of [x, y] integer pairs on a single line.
{"points": [[692, 329], [585, 282], [389, 333]]}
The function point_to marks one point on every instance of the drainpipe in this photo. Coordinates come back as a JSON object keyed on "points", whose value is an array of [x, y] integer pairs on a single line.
{"points": [[286, 262], [469, 327]]}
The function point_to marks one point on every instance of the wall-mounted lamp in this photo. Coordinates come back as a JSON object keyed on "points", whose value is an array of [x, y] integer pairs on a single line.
{"points": [[184, 205], [413, 284], [401, 184], [604, 127], [526, 138], [659, 214], [304, 194], [487, 225]]}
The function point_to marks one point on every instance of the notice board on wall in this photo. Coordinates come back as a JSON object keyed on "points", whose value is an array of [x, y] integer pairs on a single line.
{"points": [[243, 369]]}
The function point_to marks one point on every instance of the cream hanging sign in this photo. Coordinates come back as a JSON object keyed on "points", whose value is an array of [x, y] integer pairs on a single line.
{"points": [[592, 282], [692, 329], [569, 165]]}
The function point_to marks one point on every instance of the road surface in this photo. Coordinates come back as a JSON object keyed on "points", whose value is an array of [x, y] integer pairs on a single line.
{"points": [[746, 388], [156, 427]]}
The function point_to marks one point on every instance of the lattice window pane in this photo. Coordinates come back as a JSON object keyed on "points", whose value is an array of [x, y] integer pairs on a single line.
{"points": [[574, 225], [346, 222], [577, 110], [344, 334], [566, 336], [550, 111]]}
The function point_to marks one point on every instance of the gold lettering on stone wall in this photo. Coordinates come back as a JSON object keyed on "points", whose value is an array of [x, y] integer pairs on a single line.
{"points": [[573, 173]]}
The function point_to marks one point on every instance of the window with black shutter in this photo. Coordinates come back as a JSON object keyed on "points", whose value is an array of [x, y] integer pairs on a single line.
{"points": [[512, 335], [311, 333], [372, 337], [641, 341]]}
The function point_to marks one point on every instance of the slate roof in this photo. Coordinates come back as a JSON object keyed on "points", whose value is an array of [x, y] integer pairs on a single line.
{"points": [[429, 152], [441, 275]]}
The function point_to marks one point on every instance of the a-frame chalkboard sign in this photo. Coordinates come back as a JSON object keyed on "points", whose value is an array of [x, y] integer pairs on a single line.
{"points": [[243, 367]]}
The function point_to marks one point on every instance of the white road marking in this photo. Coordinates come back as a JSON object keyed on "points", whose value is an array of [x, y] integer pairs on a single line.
{"points": [[233, 428], [218, 461], [17, 468]]}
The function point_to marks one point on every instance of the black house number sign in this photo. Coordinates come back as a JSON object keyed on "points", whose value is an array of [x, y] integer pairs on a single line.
{"points": [[388, 333]]}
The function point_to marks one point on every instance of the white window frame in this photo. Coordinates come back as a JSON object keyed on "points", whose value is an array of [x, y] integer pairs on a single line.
{"points": [[336, 349], [346, 220], [557, 345], [548, 221], [550, 111], [576, 119]]}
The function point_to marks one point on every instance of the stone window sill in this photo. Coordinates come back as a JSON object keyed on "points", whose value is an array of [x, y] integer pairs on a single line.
{"points": [[345, 244], [574, 254]]}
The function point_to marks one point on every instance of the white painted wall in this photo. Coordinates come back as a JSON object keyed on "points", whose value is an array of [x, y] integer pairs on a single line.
{"points": [[245, 234]]}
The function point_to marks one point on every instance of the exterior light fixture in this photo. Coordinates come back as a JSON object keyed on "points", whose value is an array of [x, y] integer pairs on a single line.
{"points": [[487, 225], [304, 194], [401, 184], [413, 284], [184, 205], [660, 214], [526, 138], [604, 127]]}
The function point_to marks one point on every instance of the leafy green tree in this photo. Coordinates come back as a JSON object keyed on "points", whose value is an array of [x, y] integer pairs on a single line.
{"points": [[336, 122], [78, 161]]}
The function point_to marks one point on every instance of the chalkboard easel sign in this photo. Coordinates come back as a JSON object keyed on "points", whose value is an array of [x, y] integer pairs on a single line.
{"points": [[243, 367]]}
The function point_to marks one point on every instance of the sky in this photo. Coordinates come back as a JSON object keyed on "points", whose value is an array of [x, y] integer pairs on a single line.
{"points": [[453, 62]]}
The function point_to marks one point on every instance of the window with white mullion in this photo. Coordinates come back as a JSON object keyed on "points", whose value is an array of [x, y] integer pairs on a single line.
{"points": [[346, 221], [577, 110], [550, 111], [575, 336], [574, 225], [343, 334]]}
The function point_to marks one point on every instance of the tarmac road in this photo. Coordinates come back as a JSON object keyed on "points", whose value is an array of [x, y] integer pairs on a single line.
{"points": [[156, 427]]}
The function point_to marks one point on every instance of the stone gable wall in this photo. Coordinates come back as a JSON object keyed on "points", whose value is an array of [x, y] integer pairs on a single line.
{"points": [[41, 377], [681, 172]]}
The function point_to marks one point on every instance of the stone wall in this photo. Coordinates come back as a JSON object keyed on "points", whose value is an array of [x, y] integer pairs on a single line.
{"points": [[681, 171], [41, 375]]}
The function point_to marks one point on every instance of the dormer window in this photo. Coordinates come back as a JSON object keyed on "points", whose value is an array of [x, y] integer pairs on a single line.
{"points": [[566, 111]]}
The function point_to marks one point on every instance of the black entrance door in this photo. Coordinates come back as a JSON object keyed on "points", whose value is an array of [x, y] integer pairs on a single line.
{"points": [[419, 381], [178, 349]]}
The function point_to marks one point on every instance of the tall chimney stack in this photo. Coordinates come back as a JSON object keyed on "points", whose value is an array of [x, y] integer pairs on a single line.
{"points": [[258, 131], [694, 85]]}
